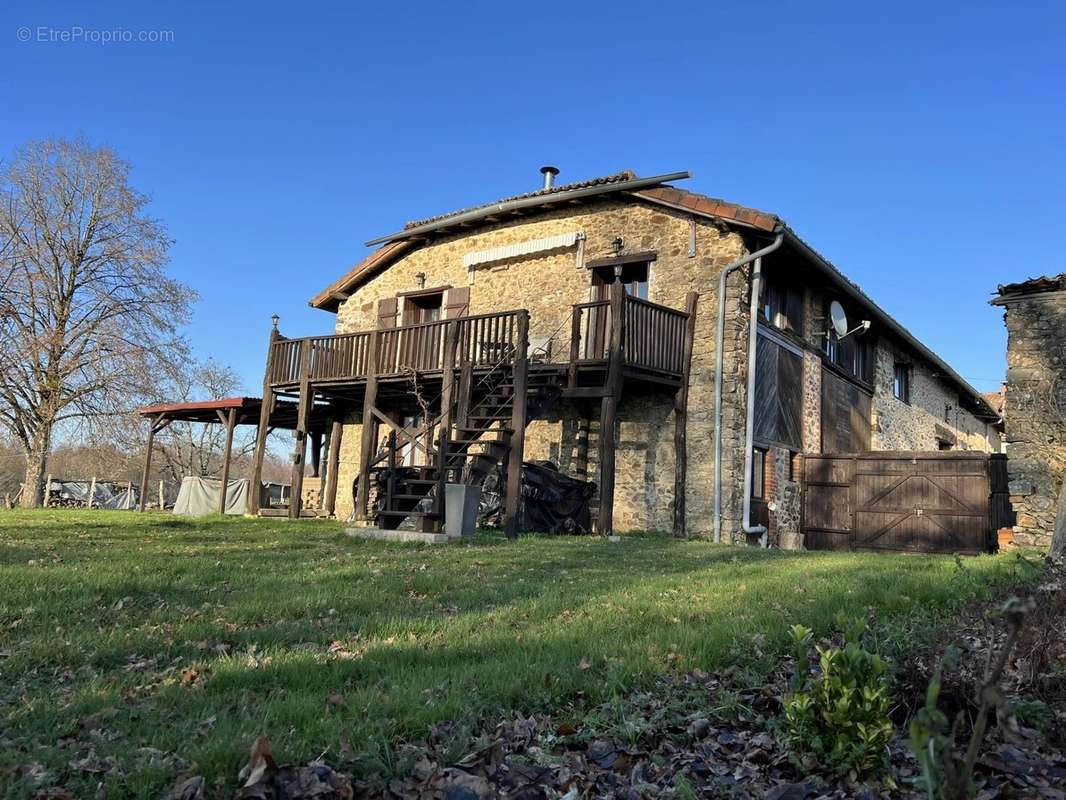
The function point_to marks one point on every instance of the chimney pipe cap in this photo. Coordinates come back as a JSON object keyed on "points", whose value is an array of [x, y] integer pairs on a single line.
{"points": [[549, 173]]}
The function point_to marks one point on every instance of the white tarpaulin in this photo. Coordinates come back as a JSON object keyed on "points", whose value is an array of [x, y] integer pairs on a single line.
{"points": [[199, 497], [106, 494]]}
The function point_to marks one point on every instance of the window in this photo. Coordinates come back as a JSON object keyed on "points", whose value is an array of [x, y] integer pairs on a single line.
{"points": [[422, 307], [758, 473], [851, 354], [901, 382], [634, 278], [782, 306]]}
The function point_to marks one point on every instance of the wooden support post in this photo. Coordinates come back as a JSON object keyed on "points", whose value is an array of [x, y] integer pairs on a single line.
{"points": [[230, 421], [129, 495], [92, 491], [518, 426], [262, 429], [162, 503], [681, 418], [303, 418], [390, 480], [466, 388], [333, 460], [47, 489], [447, 402], [155, 425], [316, 454], [366, 443], [609, 407]]}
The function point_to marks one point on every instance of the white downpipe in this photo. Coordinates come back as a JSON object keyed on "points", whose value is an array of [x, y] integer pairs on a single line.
{"points": [[749, 421], [719, 358]]}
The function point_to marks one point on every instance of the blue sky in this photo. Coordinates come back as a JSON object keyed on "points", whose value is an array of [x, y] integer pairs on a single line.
{"points": [[918, 146]]}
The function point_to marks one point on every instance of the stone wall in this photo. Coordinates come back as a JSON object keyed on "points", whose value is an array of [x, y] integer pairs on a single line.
{"points": [[933, 411], [548, 284], [1035, 411]]}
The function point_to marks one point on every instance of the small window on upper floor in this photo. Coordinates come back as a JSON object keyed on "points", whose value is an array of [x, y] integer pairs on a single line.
{"points": [[901, 381], [782, 306]]}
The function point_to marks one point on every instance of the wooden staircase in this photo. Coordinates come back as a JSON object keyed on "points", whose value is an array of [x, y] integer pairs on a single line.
{"points": [[470, 448]]}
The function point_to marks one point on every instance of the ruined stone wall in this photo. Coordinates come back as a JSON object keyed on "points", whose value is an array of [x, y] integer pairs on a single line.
{"points": [[917, 425], [548, 284], [1035, 412]]}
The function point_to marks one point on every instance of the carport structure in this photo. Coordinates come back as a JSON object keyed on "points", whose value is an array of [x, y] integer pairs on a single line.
{"points": [[233, 411]]}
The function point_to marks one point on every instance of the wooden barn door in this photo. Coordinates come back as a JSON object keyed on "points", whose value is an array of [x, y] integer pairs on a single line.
{"points": [[923, 502], [826, 505]]}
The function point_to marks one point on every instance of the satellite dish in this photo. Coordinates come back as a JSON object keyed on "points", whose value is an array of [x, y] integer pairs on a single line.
{"points": [[839, 319]]}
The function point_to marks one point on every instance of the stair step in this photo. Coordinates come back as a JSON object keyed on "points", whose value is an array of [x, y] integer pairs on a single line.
{"points": [[415, 481], [494, 418], [467, 429], [431, 514], [409, 496]]}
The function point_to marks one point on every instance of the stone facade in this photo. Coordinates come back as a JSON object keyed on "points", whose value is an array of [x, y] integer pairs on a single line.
{"points": [[1035, 411], [548, 284], [933, 414]]}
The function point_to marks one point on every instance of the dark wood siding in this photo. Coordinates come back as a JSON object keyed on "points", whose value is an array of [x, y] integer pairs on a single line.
{"points": [[778, 395], [845, 415]]}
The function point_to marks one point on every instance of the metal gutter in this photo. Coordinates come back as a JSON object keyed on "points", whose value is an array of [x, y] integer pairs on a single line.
{"points": [[534, 201], [719, 362]]}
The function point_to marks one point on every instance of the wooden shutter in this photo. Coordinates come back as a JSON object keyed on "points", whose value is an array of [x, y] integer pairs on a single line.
{"points": [[387, 308], [457, 302]]}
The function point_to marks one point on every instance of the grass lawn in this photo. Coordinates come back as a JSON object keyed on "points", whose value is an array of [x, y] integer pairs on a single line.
{"points": [[120, 632]]}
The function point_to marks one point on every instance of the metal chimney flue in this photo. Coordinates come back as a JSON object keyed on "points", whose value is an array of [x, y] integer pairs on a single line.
{"points": [[549, 174]]}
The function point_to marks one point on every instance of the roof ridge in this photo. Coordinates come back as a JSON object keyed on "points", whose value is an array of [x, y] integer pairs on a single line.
{"points": [[617, 177]]}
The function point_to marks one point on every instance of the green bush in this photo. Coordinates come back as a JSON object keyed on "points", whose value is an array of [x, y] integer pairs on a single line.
{"points": [[839, 716]]}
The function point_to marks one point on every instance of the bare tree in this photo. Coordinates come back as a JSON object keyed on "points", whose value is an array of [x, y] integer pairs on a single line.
{"points": [[192, 448], [88, 317]]}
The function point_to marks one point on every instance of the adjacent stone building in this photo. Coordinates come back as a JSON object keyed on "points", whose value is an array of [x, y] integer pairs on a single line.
{"points": [[876, 387], [1034, 405]]}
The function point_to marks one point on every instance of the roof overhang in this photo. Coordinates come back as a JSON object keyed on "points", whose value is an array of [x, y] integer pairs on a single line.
{"points": [[330, 298]]}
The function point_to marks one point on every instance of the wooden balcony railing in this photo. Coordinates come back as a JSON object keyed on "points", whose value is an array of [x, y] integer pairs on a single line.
{"points": [[482, 340], [653, 338]]}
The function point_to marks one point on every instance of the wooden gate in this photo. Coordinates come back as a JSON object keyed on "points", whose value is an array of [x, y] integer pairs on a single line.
{"points": [[930, 502]]}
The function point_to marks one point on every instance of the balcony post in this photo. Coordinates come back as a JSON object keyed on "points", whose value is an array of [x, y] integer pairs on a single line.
{"points": [[447, 402], [575, 347], [366, 443], [609, 408], [333, 458], [681, 418], [263, 428], [303, 419], [512, 501]]}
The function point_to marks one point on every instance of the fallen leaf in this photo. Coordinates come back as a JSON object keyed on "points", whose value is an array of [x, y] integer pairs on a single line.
{"points": [[584, 664]]}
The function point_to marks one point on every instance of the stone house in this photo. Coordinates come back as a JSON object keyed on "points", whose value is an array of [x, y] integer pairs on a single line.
{"points": [[703, 286], [1034, 405]]}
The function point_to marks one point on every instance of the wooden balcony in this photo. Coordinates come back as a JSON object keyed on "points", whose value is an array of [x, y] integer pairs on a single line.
{"points": [[652, 344]]}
